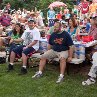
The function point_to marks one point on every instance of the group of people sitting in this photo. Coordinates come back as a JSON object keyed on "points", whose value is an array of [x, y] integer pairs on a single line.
{"points": [[24, 40]]}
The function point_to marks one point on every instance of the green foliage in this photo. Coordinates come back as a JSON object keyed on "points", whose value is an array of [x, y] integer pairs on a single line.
{"points": [[31, 4], [14, 3]]}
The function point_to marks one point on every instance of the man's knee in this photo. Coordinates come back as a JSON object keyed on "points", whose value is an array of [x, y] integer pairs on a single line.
{"points": [[62, 59], [12, 53], [43, 57]]}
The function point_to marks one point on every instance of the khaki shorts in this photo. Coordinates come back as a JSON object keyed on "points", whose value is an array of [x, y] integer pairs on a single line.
{"points": [[50, 54]]}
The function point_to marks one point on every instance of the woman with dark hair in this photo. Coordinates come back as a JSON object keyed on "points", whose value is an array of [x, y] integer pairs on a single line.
{"points": [[16, 33], [73, 29]]}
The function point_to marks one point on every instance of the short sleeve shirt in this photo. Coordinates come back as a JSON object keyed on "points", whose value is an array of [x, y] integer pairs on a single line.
{"points": [[60, 42], [31, 35]]}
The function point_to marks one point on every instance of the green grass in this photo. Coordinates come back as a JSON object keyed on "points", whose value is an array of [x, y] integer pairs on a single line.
{"points": [[14, 85]]}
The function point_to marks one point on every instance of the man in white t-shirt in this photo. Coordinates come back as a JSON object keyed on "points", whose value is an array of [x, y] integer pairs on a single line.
{"points": [[30, 39]]}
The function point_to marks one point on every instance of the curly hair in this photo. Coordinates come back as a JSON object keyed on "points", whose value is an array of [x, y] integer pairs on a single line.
{"points": [[21, 30]]}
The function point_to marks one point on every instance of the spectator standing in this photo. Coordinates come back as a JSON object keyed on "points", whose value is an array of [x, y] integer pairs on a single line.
{"points": [[39, 20], [8, 8], [75, 10], [83, 8], [51, 16]]}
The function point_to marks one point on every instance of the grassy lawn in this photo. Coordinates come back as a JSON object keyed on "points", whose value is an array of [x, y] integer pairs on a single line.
{"points": [[14, 85]]}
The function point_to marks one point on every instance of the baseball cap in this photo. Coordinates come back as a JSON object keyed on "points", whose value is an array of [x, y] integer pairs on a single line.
{"points": [[31, 20]]}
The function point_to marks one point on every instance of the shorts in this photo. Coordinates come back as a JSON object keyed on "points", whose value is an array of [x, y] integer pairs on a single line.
{"points": [[19, 50], [53, 54]]}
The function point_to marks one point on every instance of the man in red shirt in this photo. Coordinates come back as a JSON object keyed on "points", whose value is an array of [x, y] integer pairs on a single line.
{"points": [[83, 8]]}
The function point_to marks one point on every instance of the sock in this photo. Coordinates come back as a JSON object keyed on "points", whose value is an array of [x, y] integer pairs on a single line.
{"points": [[24, 66], [40, 72], [11, 63], [61, 75]]}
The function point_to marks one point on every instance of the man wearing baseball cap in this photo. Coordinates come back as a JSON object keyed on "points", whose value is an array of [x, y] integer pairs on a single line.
{"points": [[30, 39]]}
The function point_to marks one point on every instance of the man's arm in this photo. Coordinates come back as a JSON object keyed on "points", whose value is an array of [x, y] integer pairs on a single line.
{"points": [[49, 46], [32, 43], [70, 53]]}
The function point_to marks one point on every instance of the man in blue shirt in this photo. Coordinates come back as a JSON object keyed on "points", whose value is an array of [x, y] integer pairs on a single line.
{"points": [[61, 46]]}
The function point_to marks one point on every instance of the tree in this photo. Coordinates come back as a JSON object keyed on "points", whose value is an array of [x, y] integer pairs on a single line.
{"points": [[39, 4]]}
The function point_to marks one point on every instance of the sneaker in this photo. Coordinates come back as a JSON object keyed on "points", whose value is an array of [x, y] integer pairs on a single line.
{"points": [[10, 67], [37, 75], [23, 71], [88, 82], [60, 79]]}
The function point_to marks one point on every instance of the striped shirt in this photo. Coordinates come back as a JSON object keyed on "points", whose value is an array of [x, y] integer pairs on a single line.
{"points": [[5, 20]]}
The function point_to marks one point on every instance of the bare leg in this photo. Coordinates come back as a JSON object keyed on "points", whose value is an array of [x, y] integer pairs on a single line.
{"points": [[24, 59], [62, 65], [12, 57], [42, 64]]}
